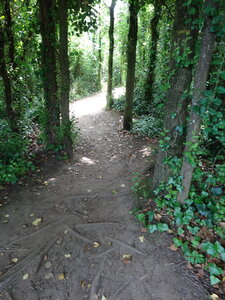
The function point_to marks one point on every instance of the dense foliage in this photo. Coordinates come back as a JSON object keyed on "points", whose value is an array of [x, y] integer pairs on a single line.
{"points": [[170, 56]]}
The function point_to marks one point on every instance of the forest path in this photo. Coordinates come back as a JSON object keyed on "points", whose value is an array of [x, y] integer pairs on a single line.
{"points": [[84, 227]]}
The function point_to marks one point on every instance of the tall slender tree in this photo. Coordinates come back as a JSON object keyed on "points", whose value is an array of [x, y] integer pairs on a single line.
{"points": [[64, 75], [110, 60], [134, 7], [181, 65], [49, 70], [6, 81], [200, 80], [153, 51]]}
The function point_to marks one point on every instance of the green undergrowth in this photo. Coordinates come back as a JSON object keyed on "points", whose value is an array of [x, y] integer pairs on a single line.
{"points": [[146, 123], [198, 226]]}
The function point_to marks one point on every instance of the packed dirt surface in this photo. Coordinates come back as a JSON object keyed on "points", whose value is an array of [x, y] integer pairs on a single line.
{"points": [[69, 235]]}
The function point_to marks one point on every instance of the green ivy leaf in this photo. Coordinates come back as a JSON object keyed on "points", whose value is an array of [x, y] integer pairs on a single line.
{"points": [[162, 227], [214, 280], [220, 90], [150, 216], [214, 269], [152, 228]]}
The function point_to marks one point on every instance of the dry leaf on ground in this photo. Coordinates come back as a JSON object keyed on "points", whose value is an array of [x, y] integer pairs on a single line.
{"points": [[173, 247], [141, 238], [95, 245], [61, 276], [49, 276], [127, 258], [37, 222], [26, 276]]}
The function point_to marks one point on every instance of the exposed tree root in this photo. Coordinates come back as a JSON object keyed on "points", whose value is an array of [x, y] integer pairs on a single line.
{"points": [[124, 245]]}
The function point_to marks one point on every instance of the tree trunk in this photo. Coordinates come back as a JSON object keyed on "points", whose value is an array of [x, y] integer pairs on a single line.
{"points": [[194, 128], [110, 61], [64, 76], [181, 65], [7, 83], [131, 61], [153, 51], [99, 57], [48, 35], [9, 32]]}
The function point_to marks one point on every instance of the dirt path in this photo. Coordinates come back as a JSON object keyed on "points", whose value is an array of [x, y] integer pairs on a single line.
{"points": [[77, 251]]}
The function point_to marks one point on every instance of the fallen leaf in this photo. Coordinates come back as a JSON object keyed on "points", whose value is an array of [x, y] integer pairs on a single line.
{"points": [[61, 276], [46, 183], [104, 298], [5, 221], [89, 285], [48, 265], [189, 266], [114, 192], [37, 222], [222, 224], [214, 297], [49, 276], [122, 185], [141, 238], [173, 247], [127, 258], [6, 216], [68, 255], [200, 273], [26, 276], [157, 217], [82, 283], [31, 215], [143, 229], [15, 260], [170, 231], [95, 245]]}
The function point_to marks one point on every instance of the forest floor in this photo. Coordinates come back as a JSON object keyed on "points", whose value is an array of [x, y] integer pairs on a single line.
{"points": [[68, 233]]}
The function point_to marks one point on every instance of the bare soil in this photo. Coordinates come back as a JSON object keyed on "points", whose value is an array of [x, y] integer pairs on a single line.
{"points": [[87, 244]]}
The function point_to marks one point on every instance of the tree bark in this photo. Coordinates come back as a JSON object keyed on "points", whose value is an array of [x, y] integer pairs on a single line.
{"points": [[183, 39], [153, 51], [110, 61], [131, 62], [200, 80], [99, 56], [9, 32], [7, 83], [48, 35], [64, 76]]}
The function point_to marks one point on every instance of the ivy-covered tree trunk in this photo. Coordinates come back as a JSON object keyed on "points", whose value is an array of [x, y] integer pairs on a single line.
{"points": [[153, 51], [9, 32], [194, 128], [181, 65], [6, 82], [131, 62], [64, 76], [110, 61], [48, 49]]}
